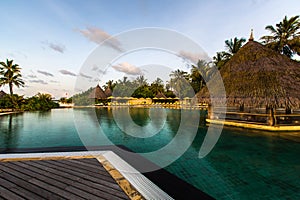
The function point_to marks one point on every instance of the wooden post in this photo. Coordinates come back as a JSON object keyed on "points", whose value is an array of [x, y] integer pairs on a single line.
{"points": [[210, 114], [242, 107], [271, 118]]}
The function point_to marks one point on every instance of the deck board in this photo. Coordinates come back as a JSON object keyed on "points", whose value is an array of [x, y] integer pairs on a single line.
{"points": [[103, 189], [57, 179]]}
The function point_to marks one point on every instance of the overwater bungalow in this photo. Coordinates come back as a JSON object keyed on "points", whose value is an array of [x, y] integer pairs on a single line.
{"points": [[260, 82]]}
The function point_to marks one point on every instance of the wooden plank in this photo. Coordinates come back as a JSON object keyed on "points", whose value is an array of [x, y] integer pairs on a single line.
{"points": [[78, 164], [41, 175], [15, 177], [55, 190], [95, 167], [59, 185], [6, 194], [80, 172], [59, 179], [101, 190], [76, 176], [18, 190], [97, 178]]}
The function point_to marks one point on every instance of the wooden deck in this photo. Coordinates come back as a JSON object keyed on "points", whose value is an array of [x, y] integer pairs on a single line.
{"points": [[57, 179]]}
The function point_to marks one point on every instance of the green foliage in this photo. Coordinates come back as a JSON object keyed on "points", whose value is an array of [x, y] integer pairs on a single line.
{"points": [[143, 92], [10, 75], [284, 37], [232, 46], [180, 84], [39, 102], [82, 99], [6, 102], [65, 100]]}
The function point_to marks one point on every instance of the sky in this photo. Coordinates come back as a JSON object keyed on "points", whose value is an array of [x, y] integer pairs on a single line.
{"points": [[61, 44]]}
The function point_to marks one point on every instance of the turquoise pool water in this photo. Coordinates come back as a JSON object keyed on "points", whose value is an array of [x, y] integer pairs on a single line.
{"points": [[244, 164]]}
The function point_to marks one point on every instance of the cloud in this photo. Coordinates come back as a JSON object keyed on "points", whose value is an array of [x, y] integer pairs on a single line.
{"points": [[85, 76], [53, 81], [66, 72], [127, 68], [55, 46], [45, 73], [32, 76], [17, 54], [193, 57], [38, 81], [98, 36], [95, 68]]}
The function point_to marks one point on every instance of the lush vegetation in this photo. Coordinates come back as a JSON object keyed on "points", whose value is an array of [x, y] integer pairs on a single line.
{"points": [[284, 37], [10, 74], [39, 102]]}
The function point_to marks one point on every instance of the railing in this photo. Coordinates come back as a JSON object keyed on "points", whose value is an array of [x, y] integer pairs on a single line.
{"points": [[267, 119]]}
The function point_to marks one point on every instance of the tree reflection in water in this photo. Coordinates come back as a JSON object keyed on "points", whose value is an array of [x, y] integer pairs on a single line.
{"points": [[9, 134]]}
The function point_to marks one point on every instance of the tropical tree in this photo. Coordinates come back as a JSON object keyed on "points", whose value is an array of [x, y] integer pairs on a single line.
{"points": [[233, 46], [284, 37], [196, 77], [110, 84], [180, 83], [200, 74], [157, 86], [11, 75], [220, 59], [141, 80], [41, 102]]}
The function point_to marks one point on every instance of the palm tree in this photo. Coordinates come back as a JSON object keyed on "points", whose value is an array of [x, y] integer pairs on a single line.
{"points": [[220, 59], [11, 75], [157, 86], [179, 82], [158, 81], [124, 81], [201, 74], [285, 37], [44, 97], [140, 80], [109, 85], [233, 46]]}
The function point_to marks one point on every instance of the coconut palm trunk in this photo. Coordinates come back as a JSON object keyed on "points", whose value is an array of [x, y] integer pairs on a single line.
{"points": [[11, 89]]}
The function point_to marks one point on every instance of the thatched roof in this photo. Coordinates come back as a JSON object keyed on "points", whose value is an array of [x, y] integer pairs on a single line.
{"points": [[97, 93], [108, 92], [258, 76], [160, 95], [2, 94]]}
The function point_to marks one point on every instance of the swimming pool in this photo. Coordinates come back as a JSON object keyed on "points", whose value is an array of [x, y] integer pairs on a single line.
{"points": [[243, 165]]}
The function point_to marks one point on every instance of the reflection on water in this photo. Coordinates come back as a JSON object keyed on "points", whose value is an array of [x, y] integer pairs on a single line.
{"points": [[10, 126], [140, 116]]}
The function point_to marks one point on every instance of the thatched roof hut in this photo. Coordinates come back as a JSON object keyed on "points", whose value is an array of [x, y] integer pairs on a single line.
{"points": [[2, 94], [258, 76], [97, 93], [160, 95], [108, 92]]}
